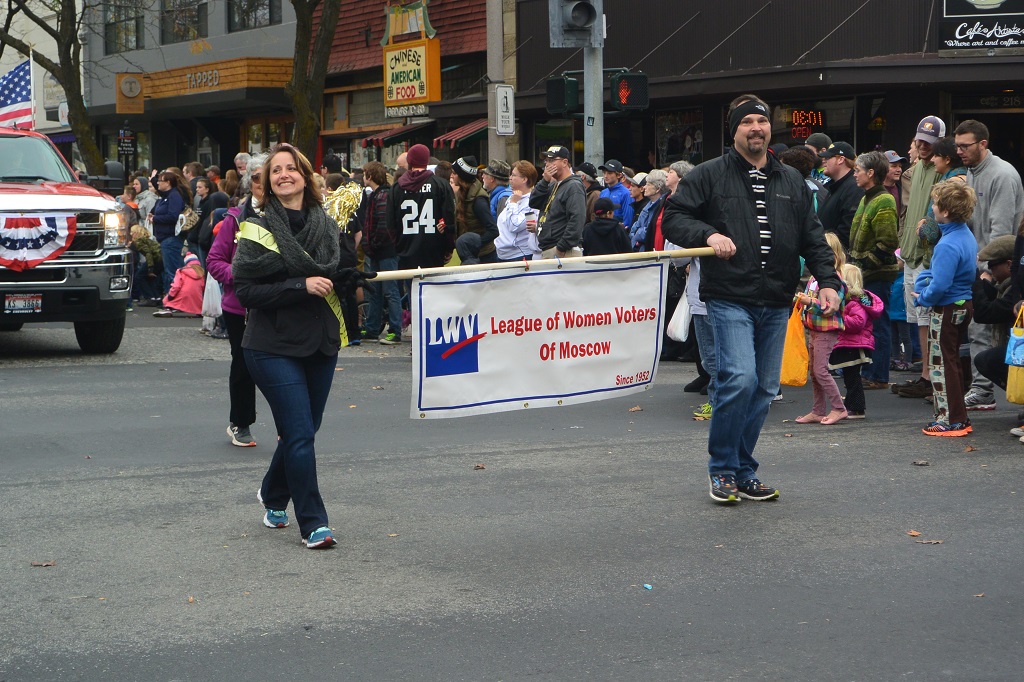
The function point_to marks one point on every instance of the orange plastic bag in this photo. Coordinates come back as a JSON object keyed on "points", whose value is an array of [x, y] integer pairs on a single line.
{"points": [[794, 353]]}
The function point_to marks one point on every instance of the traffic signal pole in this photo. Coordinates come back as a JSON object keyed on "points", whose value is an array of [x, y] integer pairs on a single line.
{"points": [[593, 104]]}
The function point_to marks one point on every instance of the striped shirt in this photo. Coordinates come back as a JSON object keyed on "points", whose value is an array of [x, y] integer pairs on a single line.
{"points": [[758, 180]]}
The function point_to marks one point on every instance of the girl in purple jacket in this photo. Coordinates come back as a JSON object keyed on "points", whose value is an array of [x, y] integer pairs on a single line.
{"points": [[856, 341]]}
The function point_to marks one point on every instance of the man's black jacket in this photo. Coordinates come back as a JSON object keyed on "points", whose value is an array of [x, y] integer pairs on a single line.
{"points": [[716, 196]]}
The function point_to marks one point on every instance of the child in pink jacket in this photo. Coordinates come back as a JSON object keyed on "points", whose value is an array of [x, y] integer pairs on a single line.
{"points": [[186, 293], [856, 341]]}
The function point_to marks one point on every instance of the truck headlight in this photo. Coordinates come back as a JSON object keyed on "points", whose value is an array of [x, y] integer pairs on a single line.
{"points": [[115, 227]]}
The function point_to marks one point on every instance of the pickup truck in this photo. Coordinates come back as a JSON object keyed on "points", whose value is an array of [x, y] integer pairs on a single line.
{"points": [[63, 246]]}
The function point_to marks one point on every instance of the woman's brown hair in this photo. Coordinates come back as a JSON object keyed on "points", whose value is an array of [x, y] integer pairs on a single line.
{"points": [[310, 195]]}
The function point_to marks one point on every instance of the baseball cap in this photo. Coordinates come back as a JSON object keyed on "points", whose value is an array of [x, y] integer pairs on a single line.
{"points": [[555, 152], [638, 180], [604, 204], [931, 129], [818, 140], [892, 157], [611, 165], [587, 169], [842, 149]]}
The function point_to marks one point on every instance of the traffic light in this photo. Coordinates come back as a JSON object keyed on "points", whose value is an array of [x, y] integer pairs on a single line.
{"points": [[630, 92], [563, 95], [576, 23]]}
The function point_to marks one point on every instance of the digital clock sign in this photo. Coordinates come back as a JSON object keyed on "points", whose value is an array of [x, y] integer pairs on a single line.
{"points": [[805, 121], [808, 117]]}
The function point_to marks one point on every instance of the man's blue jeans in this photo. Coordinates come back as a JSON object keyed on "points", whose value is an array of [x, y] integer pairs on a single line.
{"points": [[879, 369], [297, 390], [170, 248], [377, 291], [748, 355]]}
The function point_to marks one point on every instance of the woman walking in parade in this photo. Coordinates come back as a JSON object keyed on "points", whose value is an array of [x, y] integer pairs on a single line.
{"points": [[287, 276], [241, 388]]}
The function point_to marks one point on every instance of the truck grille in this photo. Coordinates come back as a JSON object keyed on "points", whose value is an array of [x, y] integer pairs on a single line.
{"points": [[89, 237], [33, 276]]}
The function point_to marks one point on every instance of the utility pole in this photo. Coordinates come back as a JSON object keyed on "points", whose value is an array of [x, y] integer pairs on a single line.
{"points": [[495, 76]]}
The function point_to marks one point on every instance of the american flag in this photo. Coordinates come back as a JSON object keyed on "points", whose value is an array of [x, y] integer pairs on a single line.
{"points": [[16, 96]]}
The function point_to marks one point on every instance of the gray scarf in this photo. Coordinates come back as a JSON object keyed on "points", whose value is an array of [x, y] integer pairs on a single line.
{"points": [[314, 251]]}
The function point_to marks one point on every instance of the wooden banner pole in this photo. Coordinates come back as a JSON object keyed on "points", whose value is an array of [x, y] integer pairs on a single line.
{"points": [[548, 263]]}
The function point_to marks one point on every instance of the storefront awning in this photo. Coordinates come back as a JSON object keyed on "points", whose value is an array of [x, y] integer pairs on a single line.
{"points": [[395, 135], [62, 137], [466, 133]]}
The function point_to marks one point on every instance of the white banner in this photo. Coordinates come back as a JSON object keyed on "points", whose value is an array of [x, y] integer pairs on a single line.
{"points": [[498, 340]]}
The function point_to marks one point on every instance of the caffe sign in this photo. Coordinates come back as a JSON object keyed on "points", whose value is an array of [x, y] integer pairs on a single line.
{"points": [[981, 28]]}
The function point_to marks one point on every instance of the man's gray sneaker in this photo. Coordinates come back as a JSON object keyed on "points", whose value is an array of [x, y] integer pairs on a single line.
{"points": [[975, 400]]}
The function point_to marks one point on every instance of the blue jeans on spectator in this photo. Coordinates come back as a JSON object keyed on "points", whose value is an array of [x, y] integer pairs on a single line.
{"points": [[706, 345], [171, 247], [297, 390], [378, 291], [748, 357], [879, 369]]}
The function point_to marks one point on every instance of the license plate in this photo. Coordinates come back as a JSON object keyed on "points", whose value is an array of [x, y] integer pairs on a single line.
{"points": [[23, 303]]}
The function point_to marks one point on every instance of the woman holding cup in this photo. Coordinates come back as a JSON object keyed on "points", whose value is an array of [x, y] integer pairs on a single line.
{"points": [[517, 222]]}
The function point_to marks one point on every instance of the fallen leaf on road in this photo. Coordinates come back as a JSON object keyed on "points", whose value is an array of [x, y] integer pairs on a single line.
{"points": [[920, 463], [191, 599], [479, 466], [786, 421], [913, 533], [787, 435], [392, 535], [351, 407], [339, 369], [378, 388], [929, 542], [984, 466], [44, 564], [980, 595], [970, 448], [636, 408], [88, 456]]}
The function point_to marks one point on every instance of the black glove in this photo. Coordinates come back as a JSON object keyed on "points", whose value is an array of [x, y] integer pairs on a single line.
{"points": [[347, 280]]}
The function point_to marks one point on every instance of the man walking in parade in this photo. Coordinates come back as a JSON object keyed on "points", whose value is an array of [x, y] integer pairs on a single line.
{"points": [[748, 285]]}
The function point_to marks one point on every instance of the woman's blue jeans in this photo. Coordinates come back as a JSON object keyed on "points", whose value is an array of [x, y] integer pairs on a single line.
{"points": [[297, 390], [748, 357], [170, 248]]}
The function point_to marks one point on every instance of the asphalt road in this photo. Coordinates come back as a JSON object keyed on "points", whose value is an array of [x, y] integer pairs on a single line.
{"points": [[118, 470]]}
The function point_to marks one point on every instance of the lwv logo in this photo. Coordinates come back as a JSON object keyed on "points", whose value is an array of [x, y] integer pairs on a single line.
{"points": [[452, 346]]}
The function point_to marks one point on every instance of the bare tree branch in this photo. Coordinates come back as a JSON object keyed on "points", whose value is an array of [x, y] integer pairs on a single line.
{"points": [[38, 21]]}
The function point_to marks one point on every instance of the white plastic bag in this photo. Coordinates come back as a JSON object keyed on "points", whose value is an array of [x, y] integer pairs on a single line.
{"points": [[211, 297], [679, 326]]}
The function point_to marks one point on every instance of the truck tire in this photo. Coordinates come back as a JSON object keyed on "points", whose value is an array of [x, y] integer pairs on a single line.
{"points": [[11, 326], [103, 336]]}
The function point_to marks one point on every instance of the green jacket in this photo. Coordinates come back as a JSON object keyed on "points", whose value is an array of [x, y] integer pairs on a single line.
{"points": [[151, 250], [912, 250], [873, 238]]}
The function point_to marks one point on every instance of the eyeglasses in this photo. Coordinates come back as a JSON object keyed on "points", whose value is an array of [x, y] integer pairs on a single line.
{"points": [[255, 177], [964, 147]]}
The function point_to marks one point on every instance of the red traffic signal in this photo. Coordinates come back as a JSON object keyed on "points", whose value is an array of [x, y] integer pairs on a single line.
{"points": [[630, 91]]}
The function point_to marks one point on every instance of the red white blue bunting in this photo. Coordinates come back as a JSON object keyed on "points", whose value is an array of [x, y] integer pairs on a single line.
{"points": [[27, 241]]}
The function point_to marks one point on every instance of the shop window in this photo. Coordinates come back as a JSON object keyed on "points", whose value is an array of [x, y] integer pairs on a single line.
{"points": [[335, 111], [182, 20], [366, 108], [246, 14], [123, 27], [254, 138], [679, 136]]}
